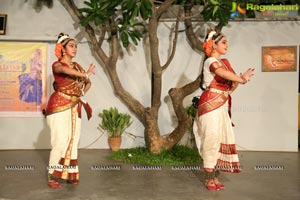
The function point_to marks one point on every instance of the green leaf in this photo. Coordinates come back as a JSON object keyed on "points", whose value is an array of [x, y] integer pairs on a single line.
{"points": [[131, 4], [223, 19], [137, 34], [215, 10], [125, 19], [124, 39], [207, 12], [115, 3], [138, 24], [148, 4], [125, 5], [214, 2], [132, 37], [86, 10], [134, 15], [88, 4], [94, 3], [105, 5], [144, 11]]}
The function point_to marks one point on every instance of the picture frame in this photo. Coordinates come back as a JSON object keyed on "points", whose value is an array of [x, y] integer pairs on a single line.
{"points": [[3, 21], [24, 83], [279, 58]]}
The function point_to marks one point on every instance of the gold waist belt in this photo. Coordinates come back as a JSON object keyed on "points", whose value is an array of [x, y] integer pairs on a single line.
{"points": [[219, 91], [72, 98]]}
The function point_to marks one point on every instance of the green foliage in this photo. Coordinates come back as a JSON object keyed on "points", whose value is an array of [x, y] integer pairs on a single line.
{"points": [[178, 155], [114, 122], [126, 13], [191, 111], [130, 14], [98, 11], [217, 10]]}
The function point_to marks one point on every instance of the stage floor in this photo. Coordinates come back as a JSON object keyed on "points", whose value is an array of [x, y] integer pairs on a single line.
{"points": [[265, 176]]}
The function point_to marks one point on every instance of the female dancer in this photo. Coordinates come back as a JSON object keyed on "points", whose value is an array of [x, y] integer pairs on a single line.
{"points": [[212, 126], [64, 111]]}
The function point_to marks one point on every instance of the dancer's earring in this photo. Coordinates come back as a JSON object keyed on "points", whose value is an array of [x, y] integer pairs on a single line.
{"points": [[214, 47]]}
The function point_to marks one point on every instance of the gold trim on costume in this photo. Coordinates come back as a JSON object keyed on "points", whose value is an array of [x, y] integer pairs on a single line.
{"points": [[67, 158], [226, 93], [72, 98], [212, 104]]}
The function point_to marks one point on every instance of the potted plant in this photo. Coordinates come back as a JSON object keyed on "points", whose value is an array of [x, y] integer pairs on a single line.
{"points": [[114, 124]]}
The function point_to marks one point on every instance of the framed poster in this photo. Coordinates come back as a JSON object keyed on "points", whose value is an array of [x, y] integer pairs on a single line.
{"points": [[3, 19], [279, 58], [23, 75]]}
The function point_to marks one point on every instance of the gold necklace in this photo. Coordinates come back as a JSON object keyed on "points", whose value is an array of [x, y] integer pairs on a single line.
{"points": [[71, 65]]}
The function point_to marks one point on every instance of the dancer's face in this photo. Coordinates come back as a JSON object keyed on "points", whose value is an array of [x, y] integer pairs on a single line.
{"points": [[71, 48], [222, 46]]}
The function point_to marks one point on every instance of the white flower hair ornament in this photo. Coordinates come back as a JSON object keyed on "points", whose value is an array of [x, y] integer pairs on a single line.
{"points": [[211, 34], [63, 38]]}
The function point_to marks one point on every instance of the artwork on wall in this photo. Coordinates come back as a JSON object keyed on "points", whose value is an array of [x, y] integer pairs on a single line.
{"points": [[23, 67], [3, 19], [279, 58]]}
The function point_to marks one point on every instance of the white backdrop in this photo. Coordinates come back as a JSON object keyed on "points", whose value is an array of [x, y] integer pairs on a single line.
{"points": [[264, 111]]}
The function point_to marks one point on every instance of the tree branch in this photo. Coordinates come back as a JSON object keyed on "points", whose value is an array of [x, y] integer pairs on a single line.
{"points": [[184, 120], [174, 43], [178, 94], [219, 27], [102, 35], [164, 7], [195, 43], [155, 62], [114, 54], [133, 104]]}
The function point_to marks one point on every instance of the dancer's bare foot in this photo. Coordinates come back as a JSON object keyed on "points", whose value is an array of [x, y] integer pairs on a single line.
{"points": [[53, 184], [219, 184], [210, 185]]}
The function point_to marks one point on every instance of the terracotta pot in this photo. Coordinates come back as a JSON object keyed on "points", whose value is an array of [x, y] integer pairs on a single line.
{"points": [[114, 143]]}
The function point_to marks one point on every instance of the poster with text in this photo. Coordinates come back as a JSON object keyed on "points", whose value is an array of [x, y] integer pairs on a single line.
{"points": [[23, 68]]}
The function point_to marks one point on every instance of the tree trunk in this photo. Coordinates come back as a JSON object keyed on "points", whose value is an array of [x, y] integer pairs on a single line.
{"points": [[157, 143], [147, 116]]}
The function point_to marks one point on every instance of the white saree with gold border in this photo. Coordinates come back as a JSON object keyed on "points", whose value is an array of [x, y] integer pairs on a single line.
{"points": [[213, 127]]}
